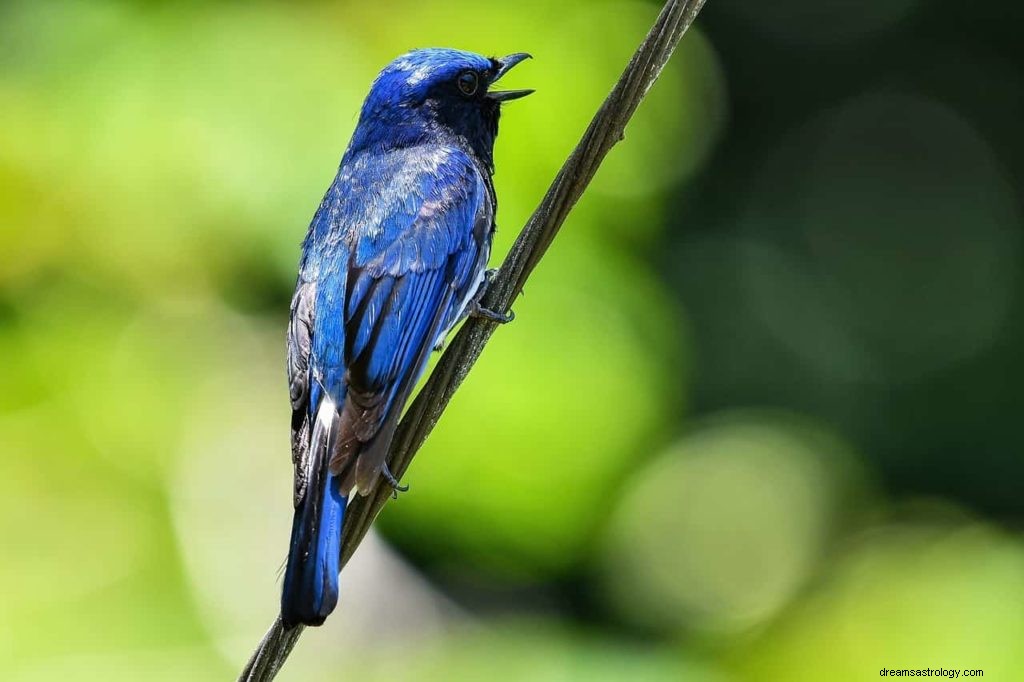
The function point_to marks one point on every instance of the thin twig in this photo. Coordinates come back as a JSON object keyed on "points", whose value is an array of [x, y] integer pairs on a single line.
{"points": [[605, 130]]}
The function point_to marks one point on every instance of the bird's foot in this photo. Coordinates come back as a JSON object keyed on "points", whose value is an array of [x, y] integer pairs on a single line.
{"points": [[476, 309], [393, 482], [493, 315]]}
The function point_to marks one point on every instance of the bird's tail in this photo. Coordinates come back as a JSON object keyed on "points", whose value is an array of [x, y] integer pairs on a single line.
{"points": [[311, 578]]}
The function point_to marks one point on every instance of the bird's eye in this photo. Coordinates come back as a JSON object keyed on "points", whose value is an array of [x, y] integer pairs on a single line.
{"points": [[468, 82]]}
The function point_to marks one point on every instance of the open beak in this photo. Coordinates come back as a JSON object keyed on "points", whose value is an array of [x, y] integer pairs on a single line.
{"points": [[504, 65]]}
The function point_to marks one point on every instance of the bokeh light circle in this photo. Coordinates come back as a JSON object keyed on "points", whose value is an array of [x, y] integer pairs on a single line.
{"points": [[885, 236], [723, 529]]}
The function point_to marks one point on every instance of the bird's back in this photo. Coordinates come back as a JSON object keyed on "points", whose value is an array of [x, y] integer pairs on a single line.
{"points": [[395, 251]]}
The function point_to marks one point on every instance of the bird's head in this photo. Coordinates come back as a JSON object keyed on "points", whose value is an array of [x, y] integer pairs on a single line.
{"points": [[437, 93]]}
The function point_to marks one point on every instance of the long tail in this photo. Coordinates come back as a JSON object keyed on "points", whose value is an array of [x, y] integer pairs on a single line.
{"points": [[311, 579]]}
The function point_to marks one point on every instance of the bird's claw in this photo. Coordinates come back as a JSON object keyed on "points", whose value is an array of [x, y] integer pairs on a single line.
{"points": [[393, 482], [478, 310], [492, 315]]}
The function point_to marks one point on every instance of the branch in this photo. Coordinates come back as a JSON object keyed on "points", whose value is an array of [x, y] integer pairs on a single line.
{"points": [[605, 130]]}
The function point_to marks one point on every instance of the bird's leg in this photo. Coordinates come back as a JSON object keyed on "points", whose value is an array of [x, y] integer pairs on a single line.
{"points": [[475, 309], [392, 481]]}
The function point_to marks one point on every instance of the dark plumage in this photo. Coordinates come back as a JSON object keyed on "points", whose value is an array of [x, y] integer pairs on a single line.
{"points": [[394, 257]]}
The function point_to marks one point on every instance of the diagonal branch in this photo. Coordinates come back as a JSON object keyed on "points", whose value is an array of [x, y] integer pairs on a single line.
{"points": [[605, 130]]}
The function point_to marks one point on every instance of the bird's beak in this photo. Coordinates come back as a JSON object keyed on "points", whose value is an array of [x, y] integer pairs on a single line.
{"points": [[504, 65]]}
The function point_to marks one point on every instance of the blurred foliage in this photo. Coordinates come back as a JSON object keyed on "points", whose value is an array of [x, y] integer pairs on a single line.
{"points": [[756, 419]]}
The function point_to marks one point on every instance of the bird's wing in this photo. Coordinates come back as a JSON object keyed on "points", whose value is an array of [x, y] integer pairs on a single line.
{"points": [[300, 332], [409, 253]]}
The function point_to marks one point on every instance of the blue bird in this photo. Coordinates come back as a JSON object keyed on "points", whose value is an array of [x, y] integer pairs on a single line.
{"points": [[395, 256]]}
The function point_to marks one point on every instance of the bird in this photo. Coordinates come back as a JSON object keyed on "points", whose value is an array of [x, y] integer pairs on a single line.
{"points": [[395, 256]]}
